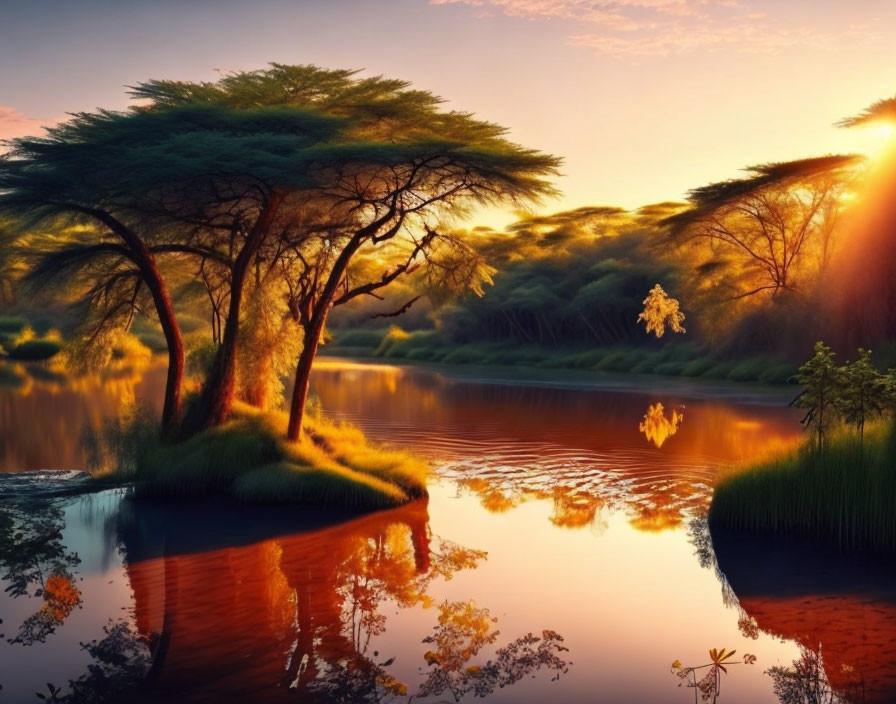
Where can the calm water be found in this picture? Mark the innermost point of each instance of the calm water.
(557, 512)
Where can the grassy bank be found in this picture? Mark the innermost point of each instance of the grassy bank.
(845, 495)
(673, 359)
(247, 459)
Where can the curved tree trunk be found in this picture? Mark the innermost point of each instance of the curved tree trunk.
(174, 382)
(303, 378)
(143, 257)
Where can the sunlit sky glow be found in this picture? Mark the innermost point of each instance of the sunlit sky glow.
(643, 98)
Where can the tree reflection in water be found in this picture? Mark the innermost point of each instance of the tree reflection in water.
(304, 611)
(656, 427)
(840, 610)
(35, 564)
(121, 661)
(805, 682)
(463, 630)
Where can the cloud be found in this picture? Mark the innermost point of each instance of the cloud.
(16, 124)
(675, 39)
(587, 10)
(642, 28)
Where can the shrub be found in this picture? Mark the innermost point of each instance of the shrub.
(750, 369)
(778, 374)
(467, 354)
(718, 371)
(35, 350)
(670, 368)
(698, 367)
(359, 337)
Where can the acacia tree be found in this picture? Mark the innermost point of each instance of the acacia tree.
(48, 180)
(150, 181)
(764, 229)
(381, 190)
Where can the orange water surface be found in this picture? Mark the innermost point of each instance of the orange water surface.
(566, 507)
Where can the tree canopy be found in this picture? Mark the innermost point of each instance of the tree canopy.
(313, 186)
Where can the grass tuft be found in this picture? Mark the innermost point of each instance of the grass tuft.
(845, 495)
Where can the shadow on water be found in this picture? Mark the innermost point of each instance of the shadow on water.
(840, 609)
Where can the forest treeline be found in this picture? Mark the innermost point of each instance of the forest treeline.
(763, 265)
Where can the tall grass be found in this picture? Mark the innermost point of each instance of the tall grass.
(247, 459)
(845, 494)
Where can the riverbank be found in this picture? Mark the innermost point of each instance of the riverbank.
(333, 466)
(522, 375)
(844, 495)
(672, 359)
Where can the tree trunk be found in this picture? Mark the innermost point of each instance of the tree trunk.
(216, 401)
(303, 378)
(155, 282)
(174, 339)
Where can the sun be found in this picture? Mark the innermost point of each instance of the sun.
(885, 130)
(879, 139)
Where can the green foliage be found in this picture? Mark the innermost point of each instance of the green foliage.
(854, 393)
(845, 495)
(822, 383)
(672, 360)
(864, 393)
(720, 370)
(779, 373)
(698, 367)
(12, 325)
(35, 350)
(749, 369)
(359, 337)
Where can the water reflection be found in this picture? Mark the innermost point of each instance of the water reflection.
(581, 449)
(584, 523)
(805, 681)
(656, 427)
(463, 630)
(302, 611)
(120, 667)
(840, 609)
(35, 564)
(69, 407)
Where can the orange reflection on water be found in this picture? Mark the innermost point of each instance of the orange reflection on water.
(581, 448)
(656, 427)
(855, 637)
(263, 620)
(45, 419)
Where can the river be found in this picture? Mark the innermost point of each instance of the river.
(561, 556)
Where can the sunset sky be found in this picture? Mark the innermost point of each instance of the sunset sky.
(644, 99)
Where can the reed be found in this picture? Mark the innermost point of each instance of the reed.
(845, 494)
